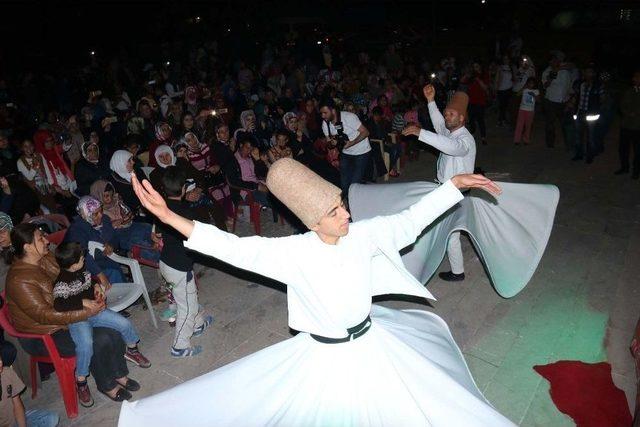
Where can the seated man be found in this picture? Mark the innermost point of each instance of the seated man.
(244, 174)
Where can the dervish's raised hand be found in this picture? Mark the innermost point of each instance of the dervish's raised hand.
(411, 130)
(150, 198)
(476, 181)
(429, 92)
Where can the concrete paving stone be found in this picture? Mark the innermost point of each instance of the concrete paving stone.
(481, 370)
(542, 412)
(617, 343)
(628, 384)
(511, 403)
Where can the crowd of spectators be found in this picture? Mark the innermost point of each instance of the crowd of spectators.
(224, 122)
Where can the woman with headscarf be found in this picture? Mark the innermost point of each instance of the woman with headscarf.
(299, 142)
(164, 135)
(121, 166)
(90, 168)
(91, 225)
(248, 128)
(130, 233)
(31, 166)
(58, 173)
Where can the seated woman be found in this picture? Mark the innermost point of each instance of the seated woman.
(244, 174)
(58, 173)
(129, 232)
(31, 166)
(194, 195)
(90, 168)
(92, 226)
(121, 166)
(202, 158)
(29, 288)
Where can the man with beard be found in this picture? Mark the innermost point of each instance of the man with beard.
(457, 156)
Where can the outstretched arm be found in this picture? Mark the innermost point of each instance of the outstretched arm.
(154, 203)
(445, 144)
(405, 227)
(258, 254)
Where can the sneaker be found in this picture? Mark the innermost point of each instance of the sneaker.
(451, 277)
(200, 329)
(84, 394)
(186, 352)
(394, 173)
(133, 355)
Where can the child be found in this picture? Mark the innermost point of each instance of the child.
(12, 411)
(176, 266)
(526, 112)
(72, 288)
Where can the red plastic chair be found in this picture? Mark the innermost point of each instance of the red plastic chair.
(65, 366)
(57, 237)
(136, 253)
(254, 213)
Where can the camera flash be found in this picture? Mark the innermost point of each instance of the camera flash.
(93, 52)
(433, 75)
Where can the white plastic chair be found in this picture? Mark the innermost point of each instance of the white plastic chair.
(123, 295)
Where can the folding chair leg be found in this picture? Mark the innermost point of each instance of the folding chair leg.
(67, 380)
(145, 294)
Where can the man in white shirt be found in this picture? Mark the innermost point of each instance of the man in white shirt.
(557, 85)
(342, 127)
(457, 156)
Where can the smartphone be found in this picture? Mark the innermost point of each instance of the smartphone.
(219, 111)
(151, 82)
(95, 93)
(10, 105)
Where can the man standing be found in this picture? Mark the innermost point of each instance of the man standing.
(557, 84)
(630, 128)
(457, 156)
(342, 127)
(587, 114)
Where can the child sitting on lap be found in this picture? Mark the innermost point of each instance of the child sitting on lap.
(72, 289)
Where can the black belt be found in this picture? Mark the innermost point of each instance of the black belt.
(355, 332)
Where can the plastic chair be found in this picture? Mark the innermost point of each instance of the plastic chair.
(65, 366)
(57, 237)
(254, 212)
(385, 157)
(138, 286)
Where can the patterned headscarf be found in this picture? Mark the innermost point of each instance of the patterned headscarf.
(288, 116)
(158, 130)
(87, 206)
(85, 148)
(5, 222)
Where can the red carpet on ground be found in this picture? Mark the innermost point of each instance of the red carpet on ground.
(586, 393)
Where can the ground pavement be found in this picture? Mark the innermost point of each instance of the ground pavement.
(582, 303)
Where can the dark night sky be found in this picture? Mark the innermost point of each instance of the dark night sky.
(42, 30)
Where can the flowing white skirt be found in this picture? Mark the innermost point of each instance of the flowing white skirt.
(405, 371)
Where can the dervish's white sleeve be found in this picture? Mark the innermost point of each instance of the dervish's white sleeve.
(270, 257)
(405, 227)
(436, 119)
(453, 147)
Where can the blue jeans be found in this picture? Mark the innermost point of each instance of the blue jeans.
(109, 267)
(352, 169)
(82, 335)
(41, 418)
(138, 233)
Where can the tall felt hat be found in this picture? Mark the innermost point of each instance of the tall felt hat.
(459, 102)
(308, 195)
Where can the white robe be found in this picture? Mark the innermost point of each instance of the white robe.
(406, 370)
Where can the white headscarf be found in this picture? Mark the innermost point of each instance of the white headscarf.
(164, 149)
(118, 164)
